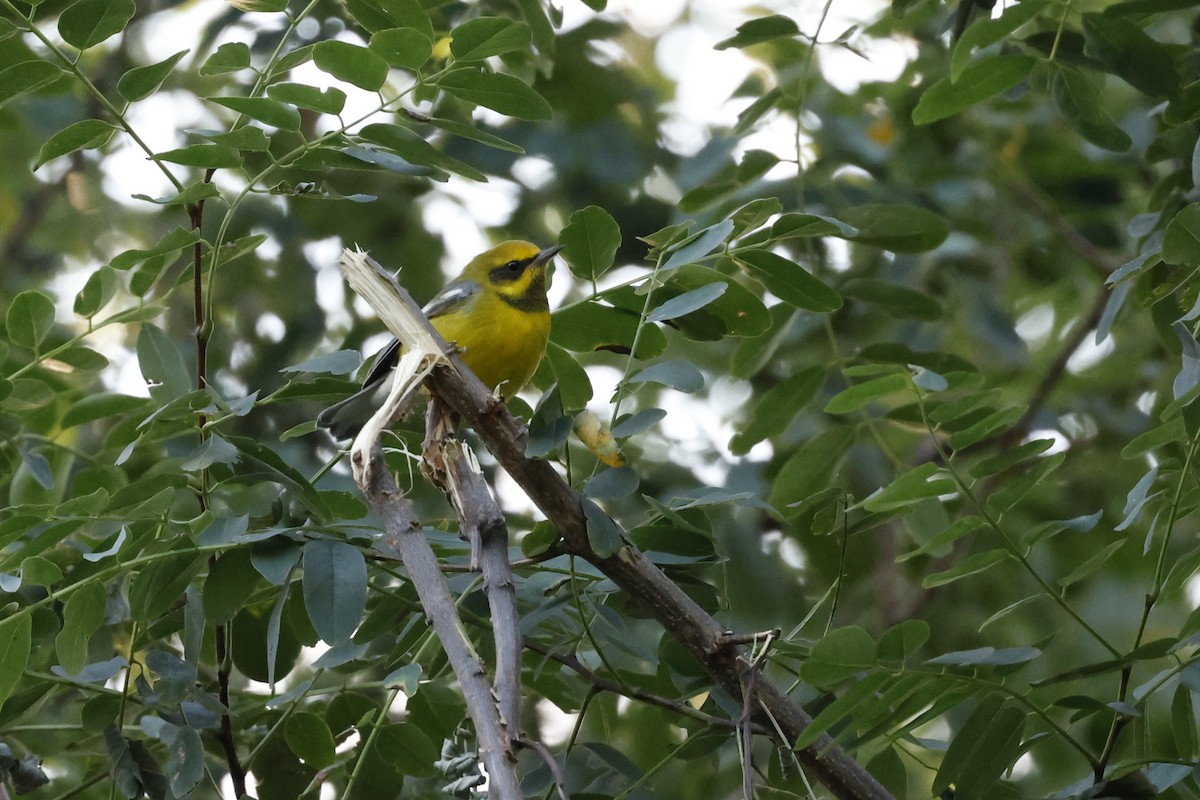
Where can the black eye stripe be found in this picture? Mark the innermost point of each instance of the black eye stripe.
(512, 270)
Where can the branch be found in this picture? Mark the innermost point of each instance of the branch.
(682, 617)
(404, 539)
(483, 525)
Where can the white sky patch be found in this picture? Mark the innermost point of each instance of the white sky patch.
(1036, 324)
(1192, 588)
(648, 19)
(534, 172)
(270, 327)
(1061, 442)
(1145, 402)
(159, 121)
(1089, 354)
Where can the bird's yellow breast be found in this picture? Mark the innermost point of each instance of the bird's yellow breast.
(499, 345)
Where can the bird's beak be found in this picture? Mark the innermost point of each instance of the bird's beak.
(546, 255)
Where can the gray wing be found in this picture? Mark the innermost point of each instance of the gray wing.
(453, 296)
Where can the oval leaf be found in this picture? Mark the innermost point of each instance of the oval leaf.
(335, 588)
(501, 93)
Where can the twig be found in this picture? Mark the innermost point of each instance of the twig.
(634, 693)
(483, 525)
(403, 539)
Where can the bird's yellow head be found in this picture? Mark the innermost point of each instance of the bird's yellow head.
(515, 271)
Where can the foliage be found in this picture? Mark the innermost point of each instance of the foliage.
(915, 388)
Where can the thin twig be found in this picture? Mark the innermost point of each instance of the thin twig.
(480, 520)
(634, 693)
(403, 539)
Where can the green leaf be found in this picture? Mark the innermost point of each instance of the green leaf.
(777, 407)
(895, 300)
(789, 281)
(988, 657)
(636, 423)
(919, 483)
(984, 749)
(738, 311)
(1083, 107)
(29, 318)
(15, 643)
(677, 374)
(229, 57)
(86, 134)
(339, 362)
(842, 653)
(100, 405)
(324, 101)
(465, 131)
(406, 747)
(940, 543)
(376, 15)
(793, 225)
(162, 364)
(985, 428)
(263, 109)
(687, 302)
(485, 37)
(209, 156)
(1008, 496)
(410, 146)
(590, 242)
(90, 22)
(100, 287)
(977, 82)
(589, 326)
(231, 581)
(612, 484)
(605, 536)
(987, 32)
(1131, 53)
(256, 457)
(810, 468)
(695, 247)
(840, 708)
(351, 63)
(1093, 563)
(972, 565)
(504, 94)
(185, 761)
(174, 241)
(402, 47)
(159, 584)
(863, 394)
(899, 228)
(335, 588)
(141, 82)
(1010, 458)
(760, 30)
(573, 384)
(310, 739)
(902, 640)
(25, 77)
(39, 571)
(82, 616)
(1181, 242)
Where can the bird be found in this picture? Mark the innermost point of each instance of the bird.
(495, 313)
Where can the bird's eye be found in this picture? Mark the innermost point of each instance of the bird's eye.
(513, 267)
